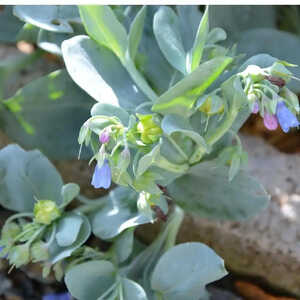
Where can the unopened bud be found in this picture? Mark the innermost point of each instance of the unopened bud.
(46, 211)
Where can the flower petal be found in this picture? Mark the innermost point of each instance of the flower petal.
(285, 117)
(102, 176)
(270, 121)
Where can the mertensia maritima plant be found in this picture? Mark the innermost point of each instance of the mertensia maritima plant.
(167, 99)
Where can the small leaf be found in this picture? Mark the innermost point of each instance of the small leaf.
(234, 166)
(136, 31)
(58, 253)
(124, 244)
(197, 50)
(89, 280)
(167, 34)
(172, 123)
(55, 18)
(147, 160)
(132, 290)
(26, 175)
(102, 25)
(118, 214)
(69, 191)
(109, 110)
(68, 229)
(184, 271)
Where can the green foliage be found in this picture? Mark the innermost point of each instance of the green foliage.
(206, 191)
(177, 281)
(54, 18)
(170, 101)
(26, 176)
(9, 25)
(119, 212)
(35, 116)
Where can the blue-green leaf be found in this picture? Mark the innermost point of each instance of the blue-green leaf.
(98, 277)
(189, 18)
(279, 44)
(68, 229)
(58, 252)
(49, 17)
(136, 31)
(184, 271)
(102, 25)
(99, 72)
(9, 25)
(109, 110)
(206, 191)
(26, 176)
(174, 123)
(166, 30)
(132, 290)
(47, 114)
(119, 213)
(197, 50)
(69, 191)
(123, 245)
(181, 97)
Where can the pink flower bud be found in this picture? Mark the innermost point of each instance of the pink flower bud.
(104, 137)
(270, 121)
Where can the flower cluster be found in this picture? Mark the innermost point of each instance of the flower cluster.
(268, 95)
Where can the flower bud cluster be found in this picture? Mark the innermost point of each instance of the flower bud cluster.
(268, 95)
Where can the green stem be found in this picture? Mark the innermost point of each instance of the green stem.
(20, 215)
(174, 225)
(159, 296)
(139, 80)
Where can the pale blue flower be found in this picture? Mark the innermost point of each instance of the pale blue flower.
(285, 117)
(102, 176)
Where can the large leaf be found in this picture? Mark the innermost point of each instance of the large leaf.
(60, 247)
(88, 281)
(9, 25)
(99, 72)
(102, 25)
(198, 47)
(206, 191)
(189, 18)
(167, 33)
(26, 176)
(158, 72)
(279, 44)
(235, 19)
(119, 213)
(136, 31)
(47, 114)
(184, 271)
(49, 17)
(180, 98)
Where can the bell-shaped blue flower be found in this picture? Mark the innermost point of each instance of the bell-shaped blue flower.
(102, 176)
(285, 117)
(62, 296)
